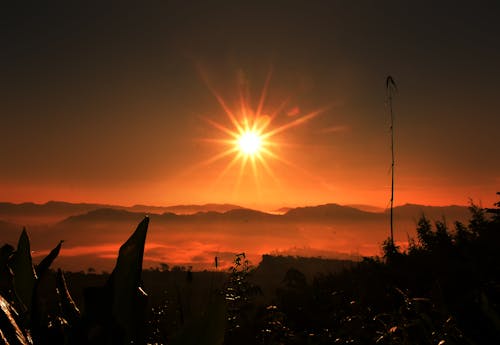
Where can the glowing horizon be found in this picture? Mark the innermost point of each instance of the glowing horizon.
(123, 123)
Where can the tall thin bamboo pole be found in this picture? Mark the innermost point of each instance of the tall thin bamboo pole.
(390, 86)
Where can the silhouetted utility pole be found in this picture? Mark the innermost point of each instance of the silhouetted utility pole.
(390, 87)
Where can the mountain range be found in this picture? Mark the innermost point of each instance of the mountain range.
(63, 212)
(193, 234)
(55, 211)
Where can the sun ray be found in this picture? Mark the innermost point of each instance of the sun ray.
(218, 156)
(274, 156)
(263, 95)
(267, 168)
(214, 140)
(229, 113)
(240, 174)
(255, 174)
(221, 127)
(294, 166)
(243, 103)
(274, 114)
(228, 167)
(275, 143)
(220, 100)
(294, 123)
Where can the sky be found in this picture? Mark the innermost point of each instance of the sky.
(114, 102)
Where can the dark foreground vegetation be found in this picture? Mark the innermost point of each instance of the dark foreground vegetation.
(445, 289)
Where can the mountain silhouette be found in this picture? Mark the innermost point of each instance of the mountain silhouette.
(414, 211)
(367, 208)
(56, 211)
(102, 215)
(49, 212)
(328, 213)
(331, 212)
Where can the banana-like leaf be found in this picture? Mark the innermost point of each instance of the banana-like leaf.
(69, 308)
(39, 312)
(5, 253)
(10, 332)
(208, 329)
(44, 265)
(5, 271)
(24, 274)
(125, 282)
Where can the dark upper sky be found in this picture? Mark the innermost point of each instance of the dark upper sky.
(103, 101)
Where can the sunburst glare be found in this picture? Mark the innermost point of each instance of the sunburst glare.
(251, 136)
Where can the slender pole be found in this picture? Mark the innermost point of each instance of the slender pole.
(390, 88)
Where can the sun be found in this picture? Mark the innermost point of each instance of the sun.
(251, 136)
(249, 142)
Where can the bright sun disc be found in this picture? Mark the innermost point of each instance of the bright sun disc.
(249, 142)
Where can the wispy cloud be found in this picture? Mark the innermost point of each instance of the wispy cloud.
(335, 129)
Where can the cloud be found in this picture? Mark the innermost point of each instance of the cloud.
(293, 111)
(335, 129)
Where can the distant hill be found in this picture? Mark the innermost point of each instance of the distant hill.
(310, 266)
(235, 215)
(184, 209)
(110, 215)
(367, 208)
(449, 213)
(63, 212)
(282, 210)
(321, 214)
(103, 215)
(272, 270)
(50, 212)
(330, 211)
(56, 211)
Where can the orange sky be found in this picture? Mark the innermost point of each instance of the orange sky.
(112, 111)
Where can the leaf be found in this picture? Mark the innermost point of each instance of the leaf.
(44, 265)
(125, 283)
(24, 274)
(5, 253)
(69, 308)
(10, 332)
(390, 85)
(39, 316)
(6, 275)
